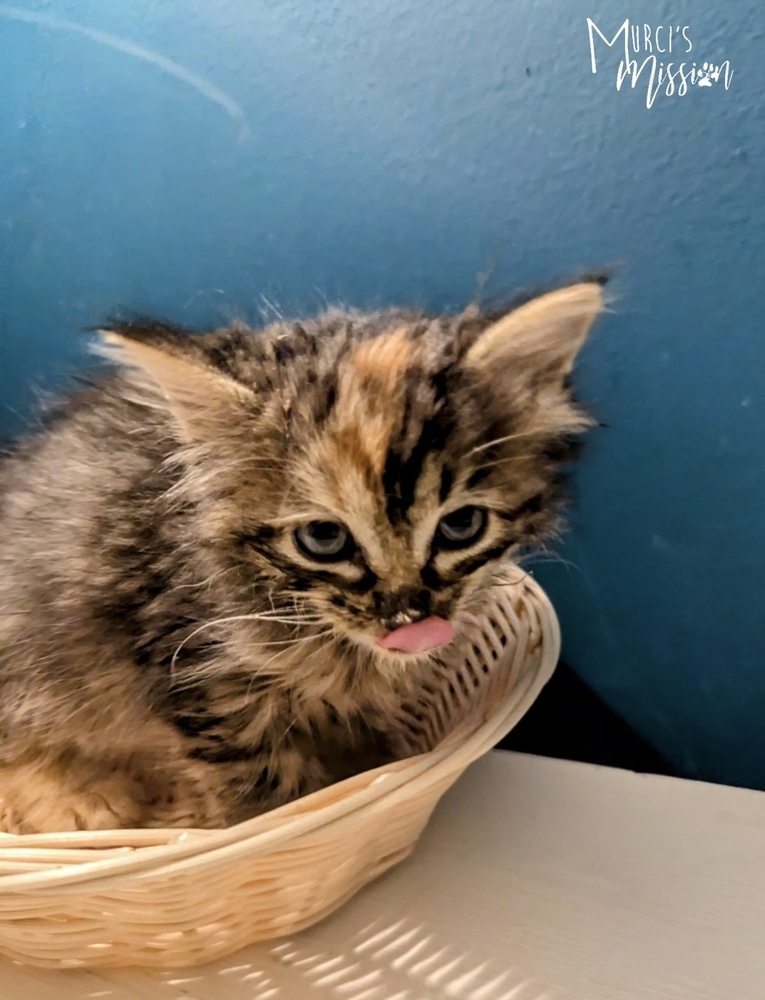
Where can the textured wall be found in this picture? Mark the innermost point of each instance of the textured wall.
(202, 160)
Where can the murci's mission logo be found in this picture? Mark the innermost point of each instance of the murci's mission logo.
(657, 58)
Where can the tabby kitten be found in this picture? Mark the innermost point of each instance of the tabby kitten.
(222, 567)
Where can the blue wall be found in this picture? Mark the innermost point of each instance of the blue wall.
(203, 160)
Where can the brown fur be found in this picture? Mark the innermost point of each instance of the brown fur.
(168, 654)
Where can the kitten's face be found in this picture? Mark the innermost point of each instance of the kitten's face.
(396, 505)
(376, 470)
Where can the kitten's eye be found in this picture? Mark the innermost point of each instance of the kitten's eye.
(325, 541)
(462, 527)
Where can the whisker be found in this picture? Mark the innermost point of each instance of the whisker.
(552, 557)
(198, 673)
(500, 461)
(203, 583)
(287, 610)
(235, 618)
(500, 440)
(286, 619)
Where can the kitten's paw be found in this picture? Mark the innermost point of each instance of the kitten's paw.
(36, 799)
(115, 803)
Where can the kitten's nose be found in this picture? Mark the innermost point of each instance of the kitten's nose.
(407, 617)
(405, 608)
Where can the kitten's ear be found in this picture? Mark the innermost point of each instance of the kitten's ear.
(171, 373)
(546, 333)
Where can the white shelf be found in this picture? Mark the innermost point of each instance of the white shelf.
(538, 879)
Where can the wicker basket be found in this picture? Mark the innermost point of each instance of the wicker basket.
(170, 898)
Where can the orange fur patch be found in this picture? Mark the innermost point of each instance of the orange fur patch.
(380, 363)
(368, 403)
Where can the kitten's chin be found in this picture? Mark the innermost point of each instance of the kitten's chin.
(396, 658)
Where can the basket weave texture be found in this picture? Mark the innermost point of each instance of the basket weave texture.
(175, 898)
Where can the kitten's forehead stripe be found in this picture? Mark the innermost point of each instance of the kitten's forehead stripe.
(447, 481)
(361, 406)
(405, 462)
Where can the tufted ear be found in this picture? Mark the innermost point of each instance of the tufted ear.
(169, 370)
(545, 334)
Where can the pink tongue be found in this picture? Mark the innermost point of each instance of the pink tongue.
(419, 636)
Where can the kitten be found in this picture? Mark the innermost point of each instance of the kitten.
(223, 566)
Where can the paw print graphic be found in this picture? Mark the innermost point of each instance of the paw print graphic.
(707, 74)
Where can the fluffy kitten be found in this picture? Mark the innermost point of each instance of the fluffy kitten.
(222, 566)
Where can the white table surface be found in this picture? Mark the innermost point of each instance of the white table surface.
(537, 879)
